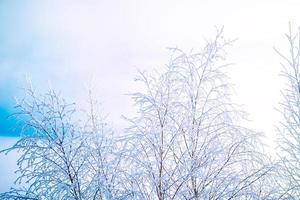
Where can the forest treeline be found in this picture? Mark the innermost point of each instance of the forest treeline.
(186, 140)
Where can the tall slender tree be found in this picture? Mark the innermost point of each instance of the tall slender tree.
(289, 130)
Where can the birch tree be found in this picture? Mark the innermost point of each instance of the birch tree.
(188, 140)
(62, 157)
(105, 157)
(289, 131)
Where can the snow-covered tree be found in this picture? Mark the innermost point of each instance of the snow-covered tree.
(105, 157)
(289, 130)
(61, 157)
(188, 140)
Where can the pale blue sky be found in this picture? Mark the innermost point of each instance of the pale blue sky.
(69, 42)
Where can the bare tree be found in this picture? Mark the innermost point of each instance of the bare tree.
(60, 157)
(289, 131)
(188, 142)
(155, 167)
(105, 157)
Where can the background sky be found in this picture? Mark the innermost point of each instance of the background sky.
(70, 44)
